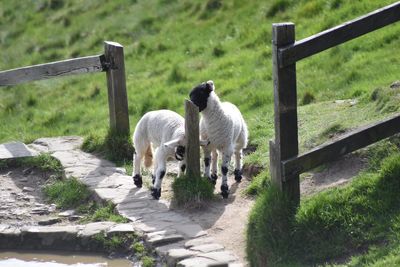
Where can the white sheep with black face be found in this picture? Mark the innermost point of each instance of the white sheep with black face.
(165, 131)
(223, 126)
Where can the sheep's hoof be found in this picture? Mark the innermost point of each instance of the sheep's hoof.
(156, 193)
(137, 180)
(224, 191)
(238, 175)
(213, 178)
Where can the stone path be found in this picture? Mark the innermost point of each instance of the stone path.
(66, 237)
(176, 237)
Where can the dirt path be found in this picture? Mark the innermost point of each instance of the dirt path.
(225, 219)
(21, 198)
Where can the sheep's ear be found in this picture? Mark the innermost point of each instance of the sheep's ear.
(172, 144)
(204, 142)
(210, 85)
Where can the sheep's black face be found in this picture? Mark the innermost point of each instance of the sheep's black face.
(179, 152)
(199, 95)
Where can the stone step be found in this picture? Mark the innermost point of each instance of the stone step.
(15, 150)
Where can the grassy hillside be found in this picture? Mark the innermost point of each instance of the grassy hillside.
(171, 46)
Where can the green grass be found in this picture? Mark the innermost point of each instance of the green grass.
(43, 162)
(360, 218)
(68, 193)
(97, 213)
(192, 192)
(171, 46)
(115, 147)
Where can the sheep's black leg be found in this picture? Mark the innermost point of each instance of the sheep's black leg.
(156, 188)
(238, 166)
(137, 180)
(226, 157)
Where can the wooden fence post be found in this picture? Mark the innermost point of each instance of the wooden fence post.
(117, 97)
(192, 139)
(285, 145)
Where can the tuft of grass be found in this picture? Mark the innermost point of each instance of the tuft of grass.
(259, 184)
(115, 242)
(138, 248)
(44, 162)
(104, 213)
(307, 98)
(331, 224)
(192, 192)
(68, 193)
(148, 261)
(333, 130)
(277, 6)
(114, 147)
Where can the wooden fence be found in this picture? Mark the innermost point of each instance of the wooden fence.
(285, 163)
(111, 62)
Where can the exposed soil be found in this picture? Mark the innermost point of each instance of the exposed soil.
(336, 173)
(21, 198)
(226, 219)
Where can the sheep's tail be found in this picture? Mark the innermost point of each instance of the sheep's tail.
(148, 157)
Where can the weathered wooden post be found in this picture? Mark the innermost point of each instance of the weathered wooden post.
(117, 97)
(192, 139)
(285, 145)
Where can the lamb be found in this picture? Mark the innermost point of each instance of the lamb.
(165, 130)
(223, 126)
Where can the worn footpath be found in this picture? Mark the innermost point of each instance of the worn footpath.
(175, 236)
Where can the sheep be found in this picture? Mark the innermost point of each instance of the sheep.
(165, 131)
(223, 126)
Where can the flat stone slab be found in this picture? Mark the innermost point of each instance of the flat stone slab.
(220, 256)
(96, 228)
(199, 241)
(196, 262)
(178, 254)
(174, 236)
(15, 150)
(208, 248)
(160, 240)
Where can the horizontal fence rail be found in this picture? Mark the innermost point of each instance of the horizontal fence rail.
(339, 34)
(343, 145)
(111, 62)
(53, 70)
(285, 163)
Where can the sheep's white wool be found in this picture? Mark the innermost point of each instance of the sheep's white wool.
(165, 131)
(222, 125)
(158, 127)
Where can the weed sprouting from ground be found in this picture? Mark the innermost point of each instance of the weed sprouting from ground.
(68, 193)
(192, 192)
(104, 213)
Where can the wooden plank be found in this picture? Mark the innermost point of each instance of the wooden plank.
(285, 105)
(339, 34)
(116, 83)
(345, 144)
(192, 139)
(51, 70)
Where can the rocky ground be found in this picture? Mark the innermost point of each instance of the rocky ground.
(22, 201)
(224, 220)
